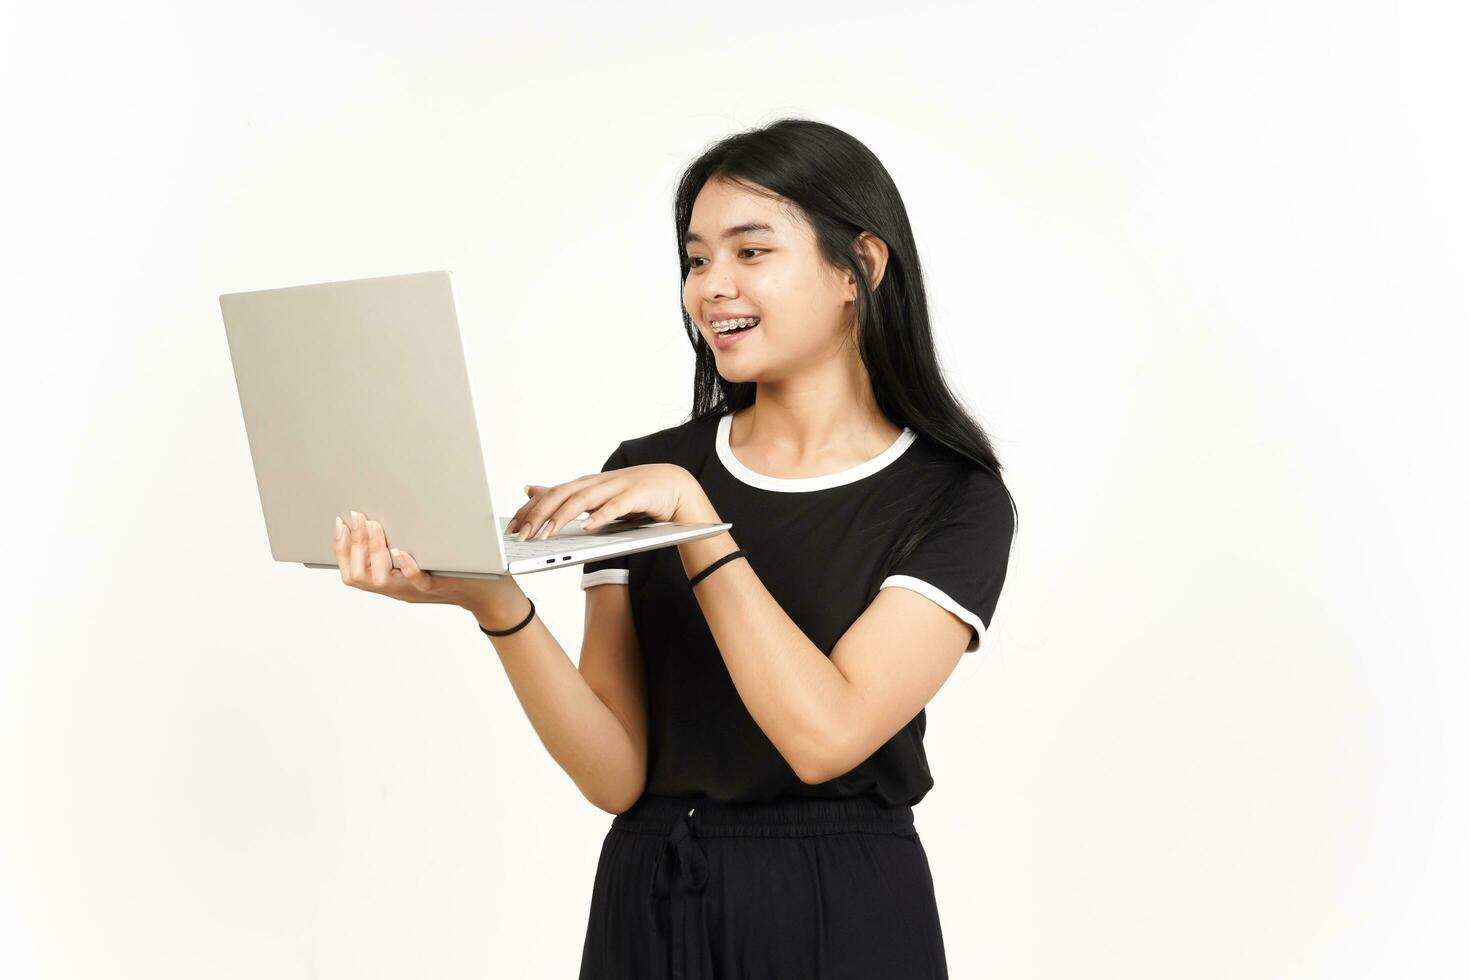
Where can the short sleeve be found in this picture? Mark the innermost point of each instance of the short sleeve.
(961, 565)
(608, 570)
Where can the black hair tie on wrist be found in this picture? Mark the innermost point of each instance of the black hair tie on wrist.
(517, 626)
(737, 553)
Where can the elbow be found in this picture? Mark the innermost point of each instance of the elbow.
(827, 746)
(615, 807)
(819, 765)
(619, 803)
(812, 777)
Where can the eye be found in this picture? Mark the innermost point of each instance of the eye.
(697, 258)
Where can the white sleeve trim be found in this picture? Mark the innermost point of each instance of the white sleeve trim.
(604, 576)
(942, 600)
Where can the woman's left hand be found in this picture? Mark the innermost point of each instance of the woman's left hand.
(660, 491)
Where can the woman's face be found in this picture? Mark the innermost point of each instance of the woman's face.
(775, 273)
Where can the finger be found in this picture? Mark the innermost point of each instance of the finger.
(518, 519)
(543, 509)
(357, 558)
(533, 490)
(540, 514)
(342, 546)
(416, 576)
(585, 499)
(540, 508)
(619, 505)
(380, 566)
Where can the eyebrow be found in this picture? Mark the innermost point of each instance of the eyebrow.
(733, 230)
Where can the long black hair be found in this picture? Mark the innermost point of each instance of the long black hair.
(842, 189)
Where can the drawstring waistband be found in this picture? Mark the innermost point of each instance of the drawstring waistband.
(685, 878)
(682, 868)
(782, 818)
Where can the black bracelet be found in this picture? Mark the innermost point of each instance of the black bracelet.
(517, 626)
(737, 553)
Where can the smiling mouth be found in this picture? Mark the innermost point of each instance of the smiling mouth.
(724, 338)
(735, 331)
(722, 328)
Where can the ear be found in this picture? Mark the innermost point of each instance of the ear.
(872, 252)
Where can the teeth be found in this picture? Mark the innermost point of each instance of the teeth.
(725, 326)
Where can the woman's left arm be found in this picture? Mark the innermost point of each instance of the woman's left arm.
(825, 715)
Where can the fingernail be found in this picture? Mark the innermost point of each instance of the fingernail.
(340, 527)
(356, 519)
(546, 533)
(526, 489)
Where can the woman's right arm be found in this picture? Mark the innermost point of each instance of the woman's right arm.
(591, 717)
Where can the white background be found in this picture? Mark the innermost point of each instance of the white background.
(1199, 269)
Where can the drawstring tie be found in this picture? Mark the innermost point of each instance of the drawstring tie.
(685, 875)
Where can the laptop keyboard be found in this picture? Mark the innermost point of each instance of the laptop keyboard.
(516, 548)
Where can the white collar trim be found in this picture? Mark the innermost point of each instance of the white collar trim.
(744, 474)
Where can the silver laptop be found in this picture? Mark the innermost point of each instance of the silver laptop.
(356, 397)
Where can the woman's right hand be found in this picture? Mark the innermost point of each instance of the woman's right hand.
(366, 563)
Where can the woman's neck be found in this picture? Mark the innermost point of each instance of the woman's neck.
(809, 434)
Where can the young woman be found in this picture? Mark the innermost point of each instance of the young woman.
(751, 705)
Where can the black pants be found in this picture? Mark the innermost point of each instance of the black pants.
(794, 890)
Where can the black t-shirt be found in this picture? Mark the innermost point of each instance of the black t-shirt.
(818, 545)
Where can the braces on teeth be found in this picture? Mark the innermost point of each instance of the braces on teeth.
(725, 326)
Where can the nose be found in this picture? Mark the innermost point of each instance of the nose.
(717, 282)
